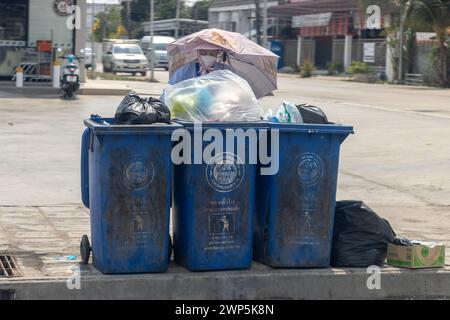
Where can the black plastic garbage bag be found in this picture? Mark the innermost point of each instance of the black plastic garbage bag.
(402, 241)
(360, 236)
(136, 110)
(312, 114)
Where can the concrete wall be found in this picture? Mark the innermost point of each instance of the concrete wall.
(45, 24)
(229, 20)
(237, 17)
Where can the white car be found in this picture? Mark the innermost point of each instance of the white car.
(88, 58)
(125, 58)
(160, 44)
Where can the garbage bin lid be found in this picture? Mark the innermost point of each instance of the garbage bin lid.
(313, 128)
(225, 124)
(106, 126)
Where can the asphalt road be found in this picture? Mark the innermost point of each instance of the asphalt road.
(398, 161)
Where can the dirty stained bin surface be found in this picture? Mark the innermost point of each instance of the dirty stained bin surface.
(126, 183)
(214, 207)
(295, 208)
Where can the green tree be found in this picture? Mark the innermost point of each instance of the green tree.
(107, 23)
(199, 10)
(140, 12)
(166, 9)
(435, 13)
(424, 15)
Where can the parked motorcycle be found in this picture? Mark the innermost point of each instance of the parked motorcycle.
(70, 76)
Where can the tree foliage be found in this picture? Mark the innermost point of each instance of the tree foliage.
(107, 23)
(140, 12)
(199, 10)
(435, 13)
(423, 15)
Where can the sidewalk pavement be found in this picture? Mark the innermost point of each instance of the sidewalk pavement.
(90, 88)
(121, 88)
(102, 87)
(41, 239)
(396, 162)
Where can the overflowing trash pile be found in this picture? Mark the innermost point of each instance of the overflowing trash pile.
(219, 224)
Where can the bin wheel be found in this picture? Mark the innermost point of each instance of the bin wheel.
(85, 249)
(170, 247)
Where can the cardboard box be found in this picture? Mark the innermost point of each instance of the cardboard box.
(424, 255)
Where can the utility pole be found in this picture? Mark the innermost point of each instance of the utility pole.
(129, 18)
(94, 63)
(259, 39)
(265, 44)
(152, 62)
(177, 19)
(400, 55)
(196, 18)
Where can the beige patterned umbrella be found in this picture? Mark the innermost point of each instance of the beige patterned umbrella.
(247, 59)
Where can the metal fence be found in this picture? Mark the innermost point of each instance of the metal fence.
(423, 62)
(308, 50)
(290, 51)
(358, 51)
(338, 51)
(380, 52)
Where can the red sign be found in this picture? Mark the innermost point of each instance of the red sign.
(44, 45)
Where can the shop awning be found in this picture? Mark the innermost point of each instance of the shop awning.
(311, 20)
(339, 24)
(305, 7)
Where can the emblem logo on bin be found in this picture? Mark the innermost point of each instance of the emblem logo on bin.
(225, 172)
(138, 174)
(310, 169)
(221, 224)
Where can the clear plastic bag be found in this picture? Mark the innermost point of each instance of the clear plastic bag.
(286, 113)
(218, 96)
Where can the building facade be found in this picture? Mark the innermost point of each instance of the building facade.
(168, 27)
(335, 32)
(239, 16)
(28, 26)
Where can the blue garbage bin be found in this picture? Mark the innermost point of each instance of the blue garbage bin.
(213, 206)
(126, 183)
(277, 47)
(295, 208)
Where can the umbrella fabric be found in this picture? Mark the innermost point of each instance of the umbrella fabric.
(247, 59)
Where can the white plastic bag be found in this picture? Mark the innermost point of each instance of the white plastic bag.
(218, 96)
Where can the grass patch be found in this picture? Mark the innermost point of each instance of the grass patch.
(110, 76)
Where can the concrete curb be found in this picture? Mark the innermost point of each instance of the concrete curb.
(47, 91)
(103, 92)
(260, 282)
(30, 91)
